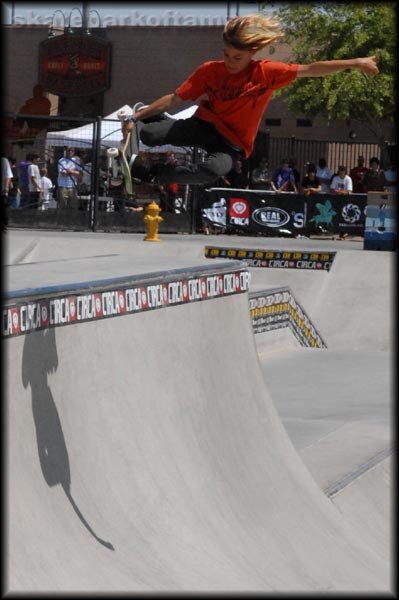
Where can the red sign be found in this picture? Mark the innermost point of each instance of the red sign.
(75, 65)
(239, 208)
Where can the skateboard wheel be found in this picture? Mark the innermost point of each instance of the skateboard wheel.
(112, 152)
(122, 115)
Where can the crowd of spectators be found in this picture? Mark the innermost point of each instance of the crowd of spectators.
(26, 184)
(316, 179)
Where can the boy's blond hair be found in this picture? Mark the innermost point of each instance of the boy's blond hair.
(252, 32)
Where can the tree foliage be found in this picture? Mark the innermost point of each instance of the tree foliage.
(328, 31)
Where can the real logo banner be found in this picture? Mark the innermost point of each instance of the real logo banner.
(254, 210)
(282, 214)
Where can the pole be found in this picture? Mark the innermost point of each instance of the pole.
(85, 16)
(194, 196)
(95, 170)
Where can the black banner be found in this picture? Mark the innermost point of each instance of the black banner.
(255, 211)
(336, 214)
(279, 214)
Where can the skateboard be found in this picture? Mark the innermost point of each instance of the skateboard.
(122, 158)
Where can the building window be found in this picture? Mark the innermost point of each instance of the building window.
(304, 123)
(273, 122)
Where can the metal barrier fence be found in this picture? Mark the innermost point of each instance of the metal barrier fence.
(99, 206)
(305, 150)
(94, 202)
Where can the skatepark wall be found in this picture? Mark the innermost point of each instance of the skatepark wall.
(144, 452)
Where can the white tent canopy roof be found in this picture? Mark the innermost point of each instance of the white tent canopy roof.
(82, 137)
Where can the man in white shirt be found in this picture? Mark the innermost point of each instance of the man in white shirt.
(6, 176)
(69, 174)
(341, 183)
(324, 175)
(34, 182)
(6, 179)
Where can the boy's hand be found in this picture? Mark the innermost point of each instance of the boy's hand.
(368, 65)
(127, 126)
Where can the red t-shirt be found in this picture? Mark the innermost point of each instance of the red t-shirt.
(357, 174)
(235, 103)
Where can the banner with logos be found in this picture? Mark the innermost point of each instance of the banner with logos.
(275, 309)
(253, 211)
(23, 317)
(279, 214)
(275, 259)
(336, 214)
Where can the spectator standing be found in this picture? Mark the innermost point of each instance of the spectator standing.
(311, 183)
(47, 200)
(261, 176)
(69, 174)
(391, 178)
(24, 179)
(238, 178)
(374, 178)
(283, 179)
(341, 183)
(325, 175)
(6, 182)
(357, 174)
(14, 194)
(34, 183)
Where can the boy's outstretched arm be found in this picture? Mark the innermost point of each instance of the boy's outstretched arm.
(367, 65)
(163, 104)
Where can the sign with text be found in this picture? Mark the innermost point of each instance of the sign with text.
(255, 211)
(24, 317)
(289, 214)
(275, 259)
(336, 214)
(75, 65)
(275, 309)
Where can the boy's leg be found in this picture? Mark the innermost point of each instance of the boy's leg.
(203, 173)
(185, 132)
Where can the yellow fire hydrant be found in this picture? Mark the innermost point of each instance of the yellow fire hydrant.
(152, 221)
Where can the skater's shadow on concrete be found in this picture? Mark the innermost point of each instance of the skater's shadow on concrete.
(40, 358)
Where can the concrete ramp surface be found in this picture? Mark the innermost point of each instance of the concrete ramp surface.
(145, 454)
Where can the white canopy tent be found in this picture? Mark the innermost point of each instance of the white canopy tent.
(82, 137)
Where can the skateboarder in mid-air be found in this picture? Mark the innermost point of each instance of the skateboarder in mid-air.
(237, 89)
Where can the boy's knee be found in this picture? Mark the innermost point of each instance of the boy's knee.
(220, 167)
(146, 136)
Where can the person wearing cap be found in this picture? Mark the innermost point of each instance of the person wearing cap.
(341, 183)
(69, 174)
